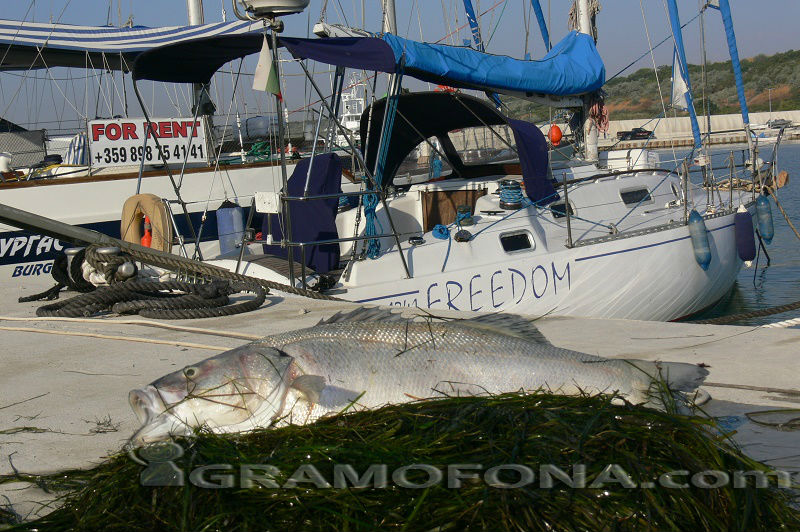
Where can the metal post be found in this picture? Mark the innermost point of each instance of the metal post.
(685, 168)
(389, 17)
(302, 266)
(313, 153)
(730, 180)
(363, 163)
(244, 234)
(566, 211)
(284, 174)
(141, 162)
(175, 186)
(194, 8)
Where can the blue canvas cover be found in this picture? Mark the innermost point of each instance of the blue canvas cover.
(312, 220)
(572, 66)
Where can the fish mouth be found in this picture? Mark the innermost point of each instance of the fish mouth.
(146, 404)
(157, 423)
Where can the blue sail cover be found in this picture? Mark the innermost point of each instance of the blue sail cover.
(39, 45)
(677, 35)
(537, 8)
(573, 66)
(727, 20)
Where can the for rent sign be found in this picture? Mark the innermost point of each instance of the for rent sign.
(125, 142)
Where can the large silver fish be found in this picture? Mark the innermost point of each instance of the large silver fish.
(370, 357)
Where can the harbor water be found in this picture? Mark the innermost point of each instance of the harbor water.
(777, 282)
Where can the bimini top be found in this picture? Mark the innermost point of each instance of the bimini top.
(36, 45)
(572, 67)
(422, 115)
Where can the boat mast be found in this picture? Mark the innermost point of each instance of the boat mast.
(194, 8)
(389, 17)
(590, 133)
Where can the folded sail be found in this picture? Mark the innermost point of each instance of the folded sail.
(572, 67)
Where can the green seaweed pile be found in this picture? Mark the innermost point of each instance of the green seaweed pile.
(624, 452)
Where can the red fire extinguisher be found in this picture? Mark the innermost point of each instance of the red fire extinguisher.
(147, 238)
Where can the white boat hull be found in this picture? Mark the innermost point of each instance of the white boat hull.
(649, 277)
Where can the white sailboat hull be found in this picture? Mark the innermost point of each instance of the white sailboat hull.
(649, 277)
(96, 203)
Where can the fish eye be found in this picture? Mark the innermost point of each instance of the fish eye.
(190, 372)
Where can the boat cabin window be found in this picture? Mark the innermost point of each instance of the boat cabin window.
(481, 145)
(559, 209)
(518, 241)
(424, 163)
(634, 196)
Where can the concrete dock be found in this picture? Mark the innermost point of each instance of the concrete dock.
(64, 398)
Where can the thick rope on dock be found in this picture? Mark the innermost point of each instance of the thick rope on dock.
(176, 263)
(782, 324)
(157, 300)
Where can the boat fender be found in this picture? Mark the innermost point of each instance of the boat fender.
(555, 135)
(441, 232)
(134, 212)
(699, 236)
(230, 226)
(745, 239)
(765, 223)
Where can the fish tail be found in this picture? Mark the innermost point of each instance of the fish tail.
(661, 383)
(678, 376)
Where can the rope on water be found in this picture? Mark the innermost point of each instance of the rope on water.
(159, 300)
(771, 192)
(722, 320)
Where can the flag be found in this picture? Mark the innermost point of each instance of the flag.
(266, 78)
(679, 85)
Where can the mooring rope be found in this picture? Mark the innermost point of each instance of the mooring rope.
(722, 320)
(782, 324)
(157, 300)
(771, 192)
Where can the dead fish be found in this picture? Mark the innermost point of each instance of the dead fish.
(368, 358)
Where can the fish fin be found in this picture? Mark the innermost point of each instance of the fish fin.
(310, 386)
(362, 315)
(510, 325)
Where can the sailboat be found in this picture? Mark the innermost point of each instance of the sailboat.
(85, 177)
(512, 232)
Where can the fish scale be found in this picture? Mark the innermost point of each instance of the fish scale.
(368, 358)
(381, 364)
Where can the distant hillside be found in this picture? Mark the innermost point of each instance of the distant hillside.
(636, 95)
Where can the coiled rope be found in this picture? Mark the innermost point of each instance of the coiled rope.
(153, 299)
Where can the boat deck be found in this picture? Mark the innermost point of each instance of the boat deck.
(64, 398)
